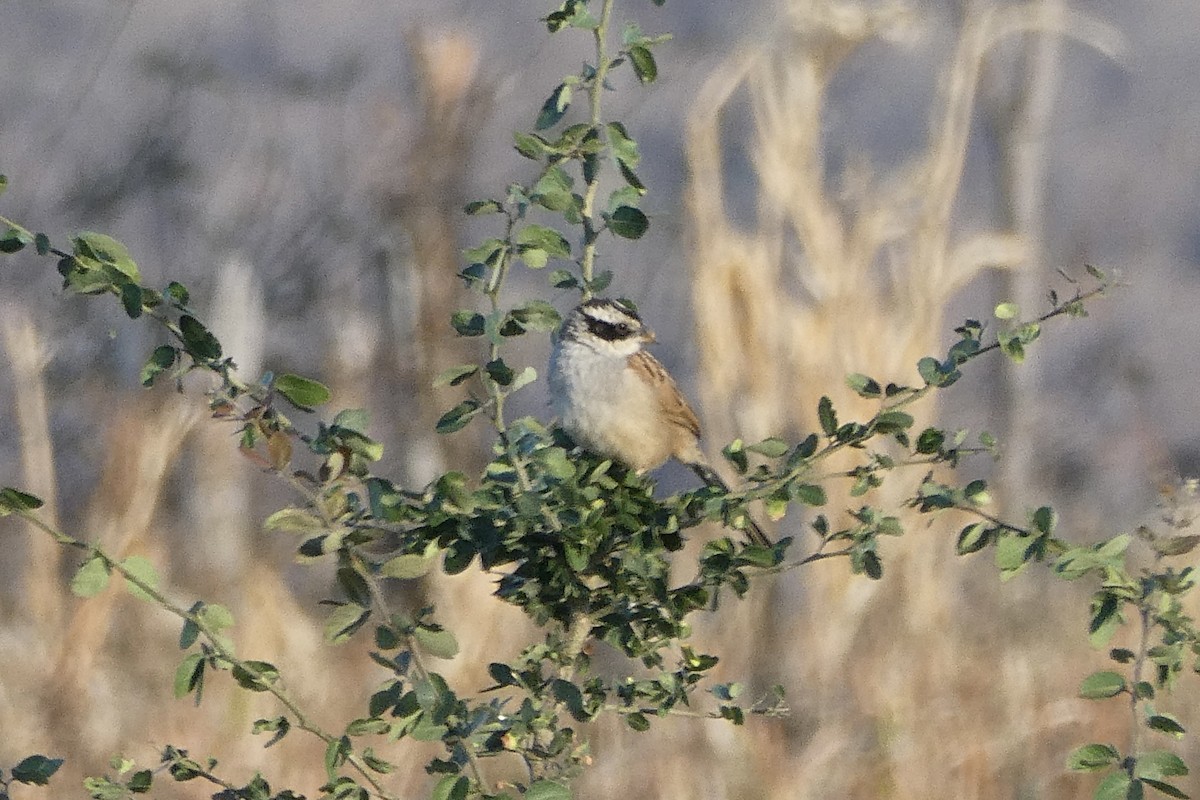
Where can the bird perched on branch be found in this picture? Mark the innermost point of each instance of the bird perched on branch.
(617, 400)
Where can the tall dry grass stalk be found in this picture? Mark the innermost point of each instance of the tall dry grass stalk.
(75, 696)
(825, 285)
(221, 509)
(28, 357)
(420, 199)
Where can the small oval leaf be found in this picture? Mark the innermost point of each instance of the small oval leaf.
(302, 392)
(1103, 684)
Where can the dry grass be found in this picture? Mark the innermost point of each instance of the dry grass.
(934, 683)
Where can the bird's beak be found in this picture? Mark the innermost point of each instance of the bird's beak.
(648, 335)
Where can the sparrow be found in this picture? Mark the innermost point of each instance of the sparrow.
(617, 400)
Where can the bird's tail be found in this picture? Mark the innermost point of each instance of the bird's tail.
(753, 531)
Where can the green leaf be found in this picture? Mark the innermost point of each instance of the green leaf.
(178, 293)
(503, 674)
(1092, 757)
(934, 373)
(1014, 349)
(628, 195)
(255, 676)
(15, 501)
(1159, 764)
(215, 617)
(455, 376)
(863, 386)
(36, 770)
(131, 299)
(569, 695)
(891, 421)
(91, 578)
(476, 207)
(562, 279)
(1007, 311)
(624, 148)
(1106, 618)
(548, 790)
(1118, 786)
(295, 520)
(161, 360)
(1166, 723)
(140, 781)
(106, 250)
(809, 493)
(534, 258)
(189, 675)
(804, 450)
(458, 417)
(524, 378)
(1012, 554)
(628, 222)
(344, 621)
(1102, 684)
(1045, 520)
(451, 787)
(976, 493)
(555, 463)
(409, 566)
(544, 238)
(13, 240)
(637, 721)
(468, 323)
(973, 538)
(1166, 788)
(304, 393)
(357, 420)
(278, 725)
(197, 341)
(826, 416)
(529, 145)
(538, 316)
(499, 372)
(872, 567)
(771, 448)
(554, 108)
(963, 350)
(643, 63)
(336, 752)
(190, 632)
(1122, 655)
(441, 644)
(140, 569)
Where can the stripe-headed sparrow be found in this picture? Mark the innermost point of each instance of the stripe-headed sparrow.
(617, 400)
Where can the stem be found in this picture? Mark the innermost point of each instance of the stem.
(587, 263)
(214, 641)
(1139, 663)
(1057, 311)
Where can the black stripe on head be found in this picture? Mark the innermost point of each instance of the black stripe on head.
(611, 320)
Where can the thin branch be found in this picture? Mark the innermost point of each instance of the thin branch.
(214, 640)
(587, 263)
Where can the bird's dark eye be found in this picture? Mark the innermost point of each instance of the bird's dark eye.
(610, 331)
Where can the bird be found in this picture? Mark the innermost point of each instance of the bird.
(617, 400)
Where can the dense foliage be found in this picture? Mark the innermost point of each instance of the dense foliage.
(578, 543)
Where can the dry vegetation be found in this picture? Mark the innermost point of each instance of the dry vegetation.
(933, 683)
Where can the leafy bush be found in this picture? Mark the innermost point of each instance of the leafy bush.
(579, 543)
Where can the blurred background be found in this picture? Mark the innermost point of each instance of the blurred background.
(834, 186)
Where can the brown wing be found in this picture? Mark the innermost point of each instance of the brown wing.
(672, 402)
